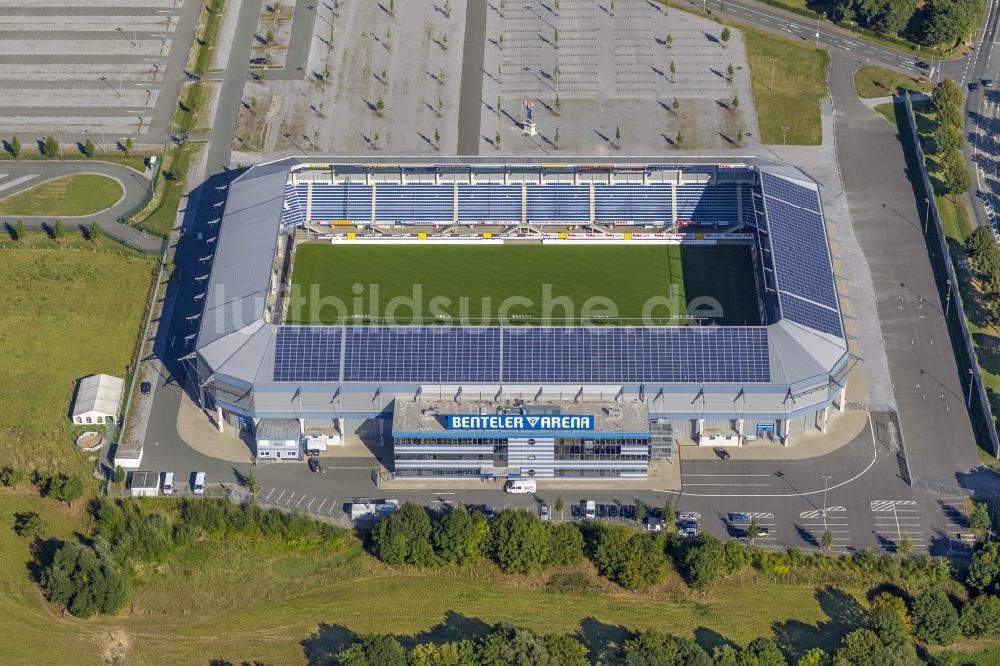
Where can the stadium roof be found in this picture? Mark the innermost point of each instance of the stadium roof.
(236, 341)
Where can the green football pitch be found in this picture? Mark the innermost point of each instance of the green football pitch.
(482, 285)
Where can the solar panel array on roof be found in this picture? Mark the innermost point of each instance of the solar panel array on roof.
(422, 354)
(803, 269)
(307, 354)
(611, 355)
(530, 355)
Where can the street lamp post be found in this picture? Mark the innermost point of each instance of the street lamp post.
(784, 134)
(771, 87)
(927, 212)
(968, 398)
(947, 301)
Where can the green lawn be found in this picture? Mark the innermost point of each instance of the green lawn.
(68, 313)
(520, 283)
(799, 83)
(160, 215)
(871, 82)
(71, 196)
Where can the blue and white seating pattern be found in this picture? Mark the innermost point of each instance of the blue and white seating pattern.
(489, 202)
(558, 202)
(418, 203)
(702, 204)
(632, 202)
(343, 201)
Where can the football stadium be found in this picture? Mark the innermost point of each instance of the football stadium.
(503, 320)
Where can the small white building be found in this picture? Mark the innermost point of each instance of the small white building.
(279, 439)
(98, 400)
(144, 484)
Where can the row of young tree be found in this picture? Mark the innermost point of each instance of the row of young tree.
(518, 542)
(19, 232)
(949, 139)
(935, 23)
(93, 576)
(882, 634)
(49, 147)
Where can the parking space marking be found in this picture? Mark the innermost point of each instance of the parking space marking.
(320, 507)
(900, 520)
(817, 513)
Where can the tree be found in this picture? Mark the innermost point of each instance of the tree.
(456, 538)
(734, 557)
(618, 134)
(905, 546)
(404, 537)
(673, 69)
(29, 524)
(555, 36)
(95, 231)
(935, 620)
(19, 229)
(653, 648)
(675, 104)
(946, 101)
(519, 542)
(511, 645)
(726, 34)
(50, 147)
(269, 37)
(555, 139)
(71, 487)
(985, 567)
(444, 41)
(58, 231)
(10, 477)
(947, 21)
(443, 654)
(955, 174)
(565, 544)
(441, 75)
(558, 103)
(447, 8)
(374, 651)
(980, 618)
(703, 561)
(392, 7)
(384, 75)
(669, 40)
(736, 102)
(730, 72)
(640, 512)
(897, 604)
(380, 105)
(375, 140)
(88, 147)
(559, 506)
(947, 138)
(862, 647)
(128, 146)
(763, 651)
(496, 140)
(15, 147)
(888, 625)
(739, 137)
(979, 517)
(632, 559)
(250, 481)
(437, 136)
(566, 651)
(84, 580)
(814, 657)
(679, 138)
(119, 475)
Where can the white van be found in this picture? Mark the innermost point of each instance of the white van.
(590, 509)
(520, 486)
(199, 483)
(168, 483)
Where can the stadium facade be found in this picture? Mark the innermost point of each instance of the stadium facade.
(503, 401)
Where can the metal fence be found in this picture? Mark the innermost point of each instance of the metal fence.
(979, 406)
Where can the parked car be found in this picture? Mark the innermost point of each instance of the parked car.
(973, 87)
(612, 511)
(145, 388)
(722, 453)
(314, 465)
(655, 512)
(652, 524)
(602, 510)
(489, 512)
(628, 511)
(761, 533)
(520, 486)
(168, 483)
(543, 512)
(688, 528)
(921, 64)
(987, 83)
(589, 509)
(198, 487)
(688, 516)
(740, 519)
(261, 60)
(575, 511)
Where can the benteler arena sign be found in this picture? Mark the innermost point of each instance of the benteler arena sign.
(520, 422)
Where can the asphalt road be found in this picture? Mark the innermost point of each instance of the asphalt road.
(19, 176)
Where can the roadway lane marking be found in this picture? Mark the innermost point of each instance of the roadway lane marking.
(17, 181)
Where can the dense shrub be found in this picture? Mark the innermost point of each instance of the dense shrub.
(404, 537)
(632, 559)
(85, 580)
(519, 541)
(935, 619)
(980, 618)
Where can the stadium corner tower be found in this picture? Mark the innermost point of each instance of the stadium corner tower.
(594, 401)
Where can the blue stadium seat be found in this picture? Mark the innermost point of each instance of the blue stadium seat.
(634, 203)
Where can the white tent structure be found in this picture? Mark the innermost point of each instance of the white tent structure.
(98, 399)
